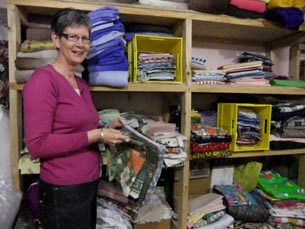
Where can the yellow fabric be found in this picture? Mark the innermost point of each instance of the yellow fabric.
(34, 46)
(286, 3)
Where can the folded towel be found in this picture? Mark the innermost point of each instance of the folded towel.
(117, 79)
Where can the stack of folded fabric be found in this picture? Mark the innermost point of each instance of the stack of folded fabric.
(147, 29)
(288, 125)
(107, 63)
(287, 13)
(209, 142)
(246, 8)
(205, 210)
(248, 128)
(33, 54)
(285, 200)
(156, 66)
(247, 73)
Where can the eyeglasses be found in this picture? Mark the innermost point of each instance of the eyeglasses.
(75, 38)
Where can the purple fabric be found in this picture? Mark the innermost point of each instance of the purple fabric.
(118, 42)
(53, 131)
(31, 199)
(104, 14)
(106, 55)
(118, 26)
(117, 79)
(290, 18)
(121, 64)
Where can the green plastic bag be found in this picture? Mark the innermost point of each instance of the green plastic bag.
(247, 175)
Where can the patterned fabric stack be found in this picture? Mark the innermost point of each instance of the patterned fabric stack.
(33, 54)
(209, 142)
(107, 63)
(288, 126)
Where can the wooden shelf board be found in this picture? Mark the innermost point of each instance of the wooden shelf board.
(267, 153)
(132, 87)
(247, 89)
(157, 87)
(205, 26)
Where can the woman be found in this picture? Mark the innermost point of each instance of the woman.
(61, 129)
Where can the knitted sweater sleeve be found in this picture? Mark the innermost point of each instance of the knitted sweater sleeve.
(39, 104)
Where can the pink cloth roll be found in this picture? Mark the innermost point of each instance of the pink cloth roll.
(250, 5)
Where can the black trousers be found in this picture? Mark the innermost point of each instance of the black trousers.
(67, 207)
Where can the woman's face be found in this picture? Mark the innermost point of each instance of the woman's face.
(73, 45)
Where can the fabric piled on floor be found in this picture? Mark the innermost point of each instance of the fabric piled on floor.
(284, 198)
(207, 211)
(107, 62)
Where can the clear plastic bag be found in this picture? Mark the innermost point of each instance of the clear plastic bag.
(10, 200)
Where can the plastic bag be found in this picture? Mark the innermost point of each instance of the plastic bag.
(247, 175)
(10, 200)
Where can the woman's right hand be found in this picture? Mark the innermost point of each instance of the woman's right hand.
(112, 136)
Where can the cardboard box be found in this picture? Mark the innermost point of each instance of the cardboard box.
(166, 224)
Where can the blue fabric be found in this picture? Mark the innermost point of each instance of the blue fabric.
(107, 37)
(94, 50)
(117, 26)
(112, 64)
(117, 51)
(117, 79)
(290, 18)
(104, 14)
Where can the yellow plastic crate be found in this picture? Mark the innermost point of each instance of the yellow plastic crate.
(154, 44)
(227, 118)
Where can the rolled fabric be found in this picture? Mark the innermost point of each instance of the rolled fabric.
(250, 5)
(22, 76)
(34, 45)
(31, 63)
(38, 54)
(116, 79)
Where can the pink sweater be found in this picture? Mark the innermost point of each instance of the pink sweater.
(56, 121)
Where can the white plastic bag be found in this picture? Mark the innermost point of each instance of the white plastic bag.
(10, 200)
(5, 157)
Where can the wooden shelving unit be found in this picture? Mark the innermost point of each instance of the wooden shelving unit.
(190, 25)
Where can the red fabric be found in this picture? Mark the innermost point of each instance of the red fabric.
(250, 5)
